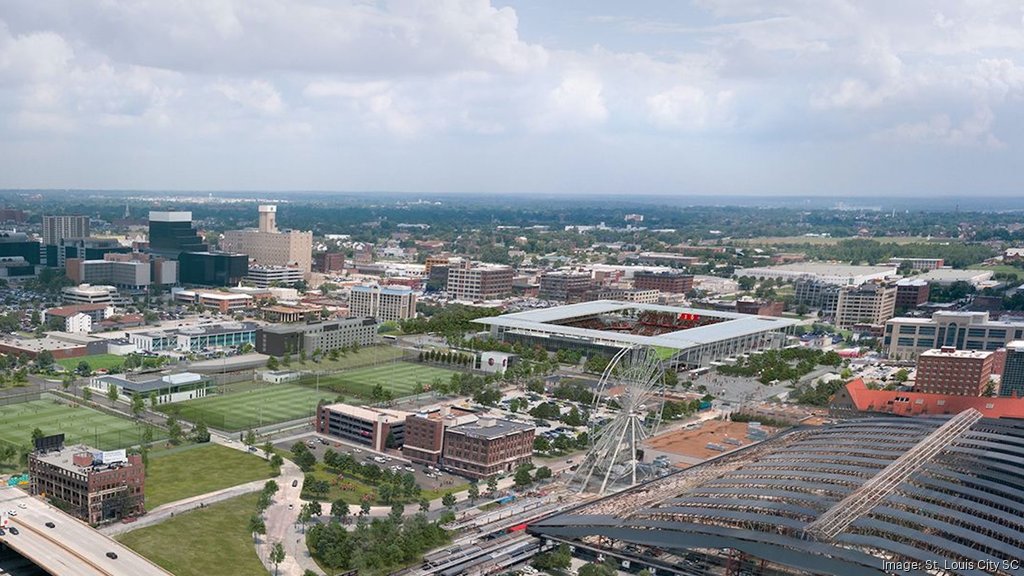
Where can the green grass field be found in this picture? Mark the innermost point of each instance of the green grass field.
(214, 540)
(78, 423)
(96, 361)
(1003, 268)
(199, 469)
(240, 407)
(368, 356)
(399, 377)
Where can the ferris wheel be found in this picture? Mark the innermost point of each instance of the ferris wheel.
(632, 390)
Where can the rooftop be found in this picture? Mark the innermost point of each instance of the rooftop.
(144, 386)
(368, 412)
(488, 428)
(954, 353)
(826, 269)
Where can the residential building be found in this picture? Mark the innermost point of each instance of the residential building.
(558, 285)
(57, 228)
(386, 304)
(672, 282)
(918, 263)
(268, 246)
(905, 338)
(856, 399)
(327, 262)
(911, 293)
(89, 294)
(165, 389)
(869, 303)
(96, 312)
(487, 447)
(78, 324)
(1012, 382)
(267, 276)
(212, 268)
(378, 428)
(281, 339)
(476, 281)
(947, 370)
(222, 302)
(91, 485)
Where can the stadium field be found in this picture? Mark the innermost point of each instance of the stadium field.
(401, 378)
(79, 424)
(250, 406)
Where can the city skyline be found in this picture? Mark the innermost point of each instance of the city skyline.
(705, 98)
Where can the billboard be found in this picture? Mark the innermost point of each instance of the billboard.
(113, 456)
(51, 442)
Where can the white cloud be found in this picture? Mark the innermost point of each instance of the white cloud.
(690, 108)
(577, 102)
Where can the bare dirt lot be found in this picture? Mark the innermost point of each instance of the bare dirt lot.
(693, 443)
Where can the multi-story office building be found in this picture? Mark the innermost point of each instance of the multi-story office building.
(268, 246)
(281, 339)
(911, 293)
(267, 276)
(171, 233)
(195, 338)
(130, 274)
(906, 338)
(386, 304)
(487, 447)
(424, 432)
(760, 307)
(89, 294)
(327, 262)
(559, 285)
(378, 428)
(16, 268)
(18, 244)
(432, 261)
(469, 281)
(222, 302)
(89, 484)
(817, 294)
(870, 303)
(671, 282)
(57, 228)
(212, 268)
(638, 295)
(950, 371)
(83, 249)
(918, 263)
(1012, 383)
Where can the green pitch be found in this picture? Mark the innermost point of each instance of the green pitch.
(80, 425)
(96, 361)
(251, 406)
(401, 378)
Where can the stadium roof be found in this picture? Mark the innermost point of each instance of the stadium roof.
(733, 325)
(960, 503)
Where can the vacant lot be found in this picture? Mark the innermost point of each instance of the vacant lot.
(214, 540)
(693, 443)
(79, 424)
(179, 474)
(401, 378)
(251, 406)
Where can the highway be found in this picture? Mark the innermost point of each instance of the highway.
(71, 547)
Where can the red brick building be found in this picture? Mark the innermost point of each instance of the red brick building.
(487, 447)
(951, 371)
(671, 282)
(856, 399)
(760, 307)
(89, 484)
(328, 262)
(424, 433)
(911, 293)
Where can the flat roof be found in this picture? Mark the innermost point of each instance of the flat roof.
(230, 363)
(951, 275)
(491, 428)
(940, 353)
(203, 330)
(152, 384)
(367, 412)
(733, 324)
(824, 269)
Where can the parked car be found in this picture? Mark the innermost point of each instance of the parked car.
(112, 555)
(14, 531)
(295, 483)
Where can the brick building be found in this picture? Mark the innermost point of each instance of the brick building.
(328, 262)
(672, 282)
(560, 285)
(94, 486)
(467, 281)
(424, 432)
(487, 447)
(951, 371)
(911, 293)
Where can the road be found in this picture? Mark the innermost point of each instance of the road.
(71, 547)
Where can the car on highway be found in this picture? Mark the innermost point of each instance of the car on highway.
(14, 531)
(50, 525)
(112, 555)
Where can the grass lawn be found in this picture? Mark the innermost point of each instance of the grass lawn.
(96, 361)
(399, 377)
(368, 356)
(78, 423)
(349, 489)
(250, 406)
(1000, 268)
(178, 474)
(214, 540)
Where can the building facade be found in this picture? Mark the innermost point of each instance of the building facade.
(950, 371)
(378, 428)
(268, 246)
(671, 282)
(559, 285)
(212, 268)
(89, 294)
(906, 338)
(281, 339)
(171, 233)
(327, 262)
(19, 244)
(870, 303)
(57, 228)
(816, 294)
(467, 281)
(91, 485)
(267, 276)
(386, 304)
(487, 447)
(1012, 383)
(129, 274)
(911, 293)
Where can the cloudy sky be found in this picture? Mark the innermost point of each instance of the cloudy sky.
(820, 97)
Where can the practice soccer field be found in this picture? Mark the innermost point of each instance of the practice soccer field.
(79, 425)
(400, 378)
(251, 406)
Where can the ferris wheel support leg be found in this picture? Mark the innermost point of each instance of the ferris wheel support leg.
(611, 463)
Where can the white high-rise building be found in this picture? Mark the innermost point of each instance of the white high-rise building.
(386, 304)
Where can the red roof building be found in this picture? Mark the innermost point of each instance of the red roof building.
(856, 399)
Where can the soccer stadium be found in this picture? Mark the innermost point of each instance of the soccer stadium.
(873, 496)
(688, 337)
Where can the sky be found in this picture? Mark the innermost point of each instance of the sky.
(722, 97)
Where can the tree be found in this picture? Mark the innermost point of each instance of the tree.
(152, 400)
(138, 405)
(543, 473)
(271, 487)
(522, 477)
(250, 438)
(83, 368)
(541, 444)
(37, 434)
(268, 448)
(147, 435)
(257, 526)
(424, 505)
(173, 429)
(595, 569)
(492, 485)
(276, 461)
(364, 507)
(448, 500)
(901, 375)
(67, 381)
(200, 433)
(112, 393)
(272, 363)
(44, 359)
(277, 555)
(474, 491)
(340, 510)
(87, 394)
